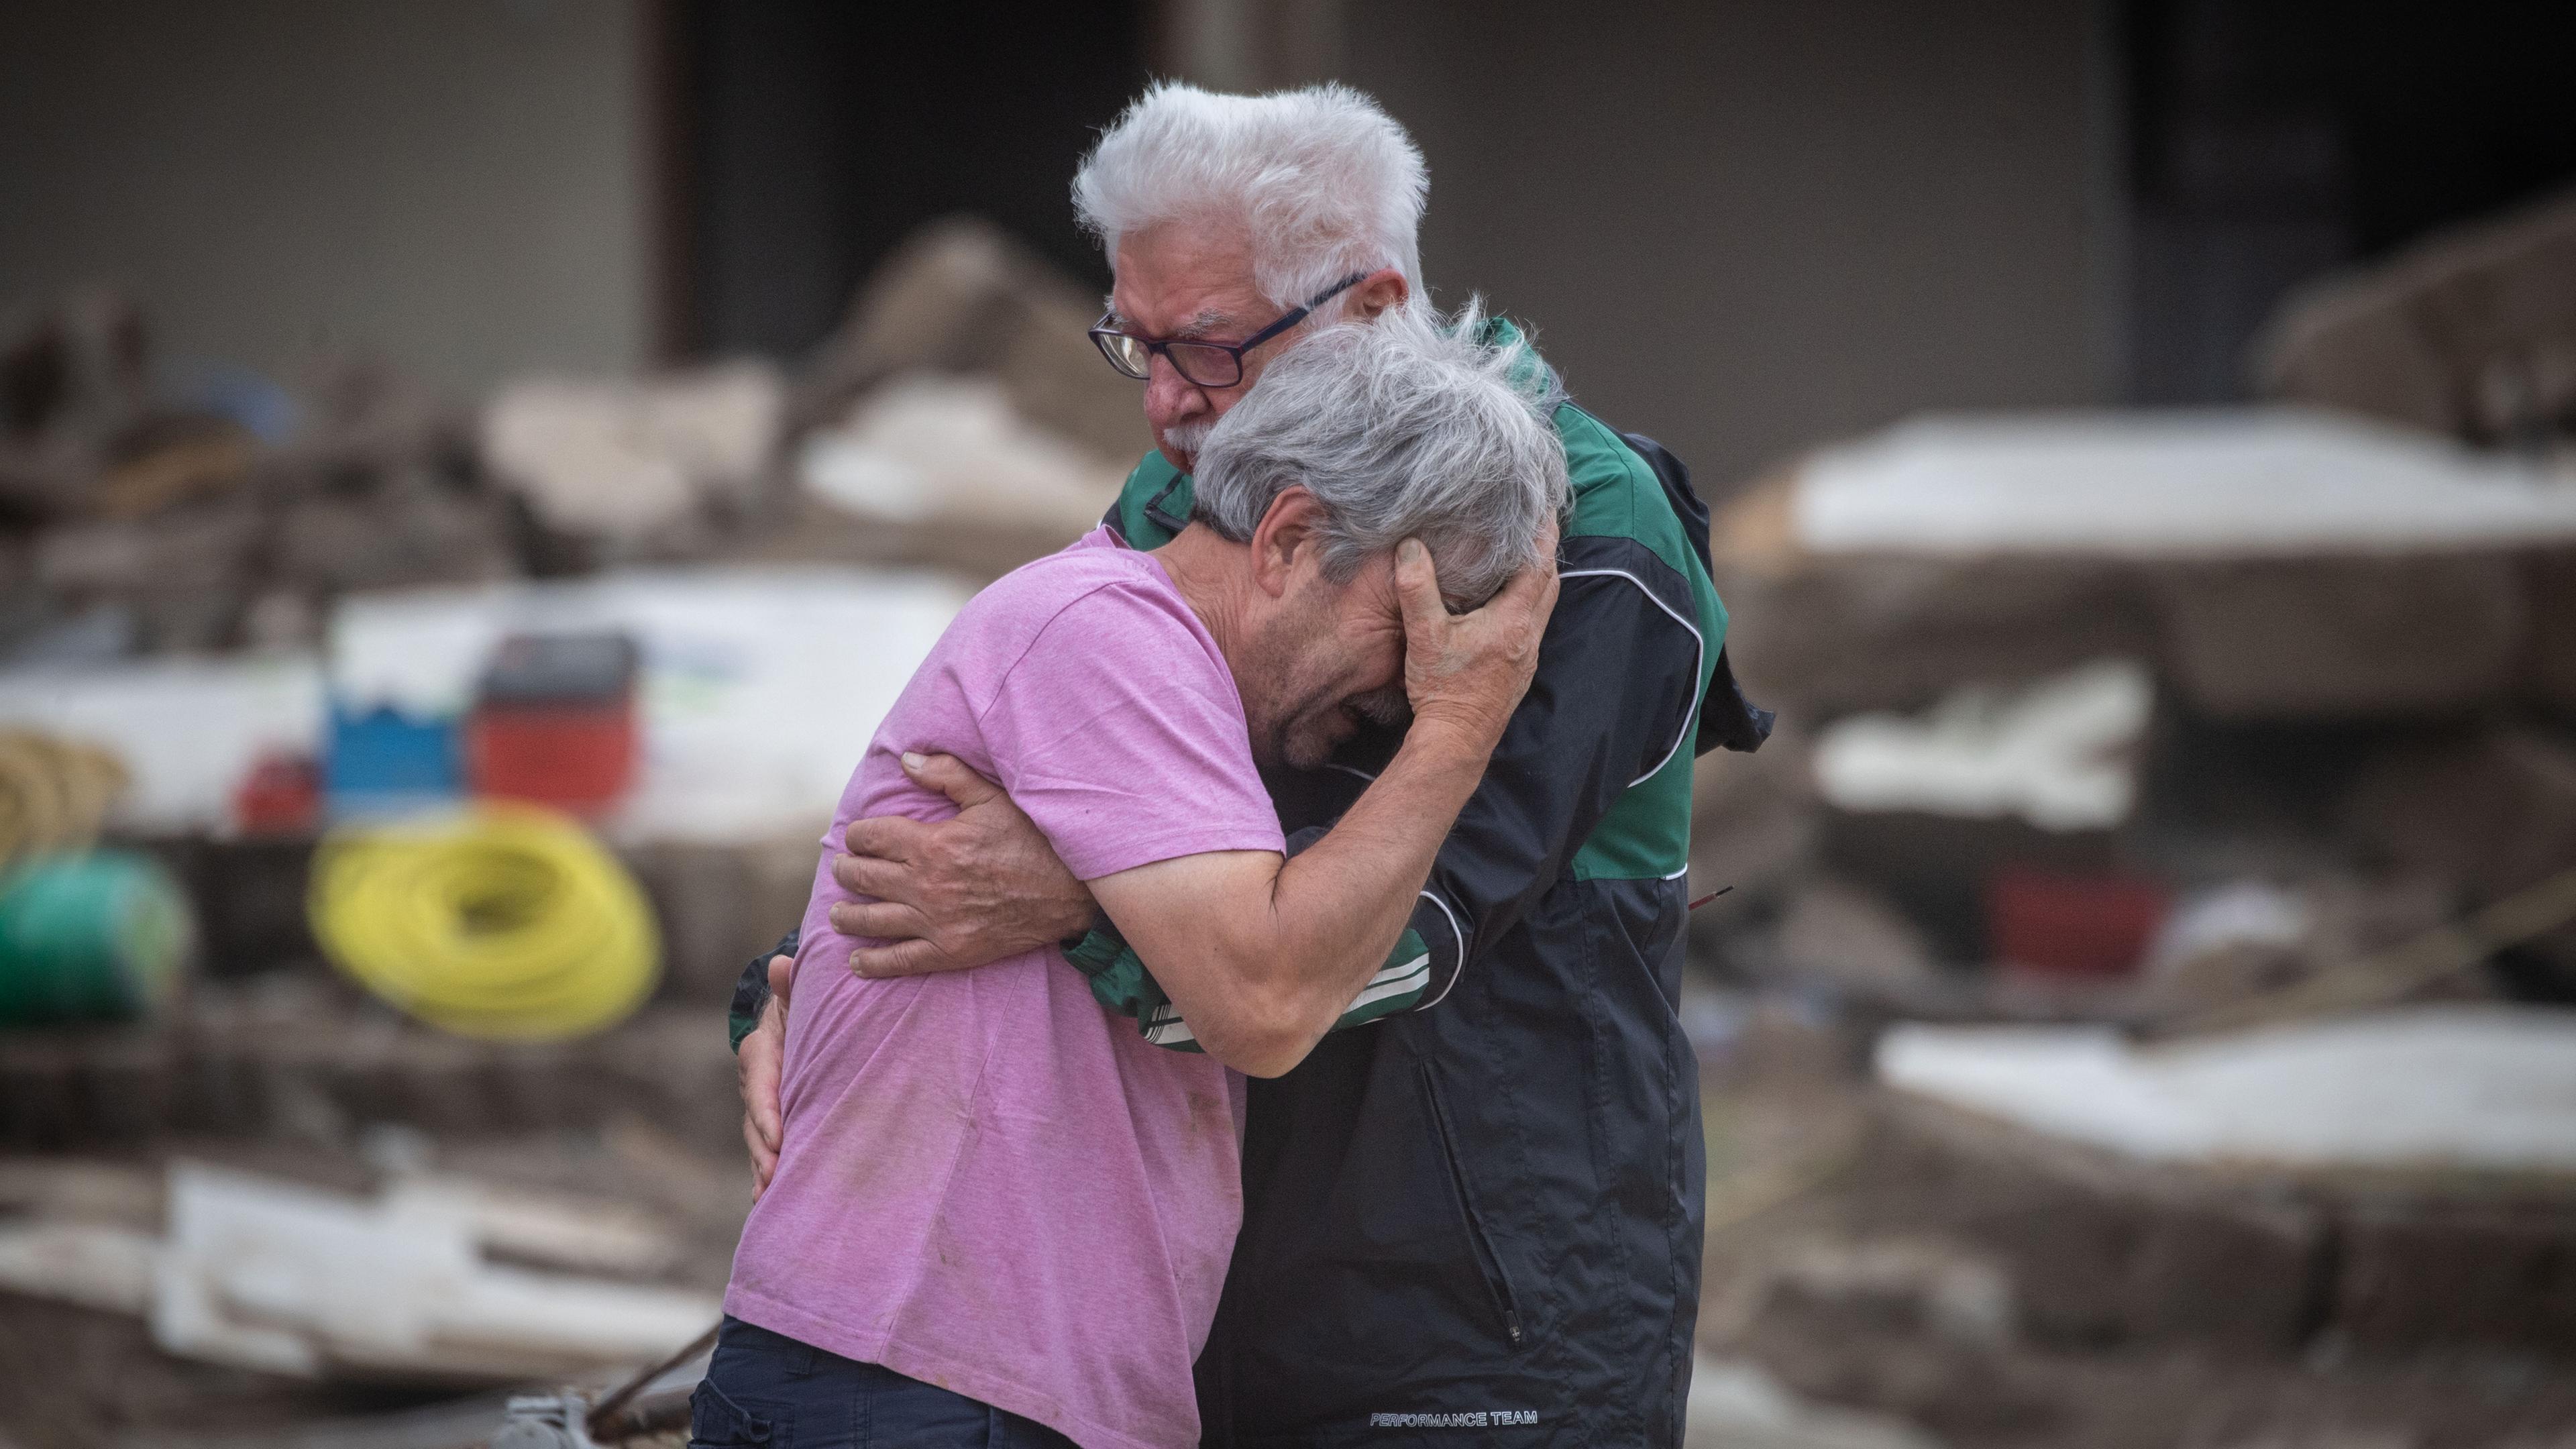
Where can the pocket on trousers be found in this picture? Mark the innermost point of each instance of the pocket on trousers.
(717, 1422)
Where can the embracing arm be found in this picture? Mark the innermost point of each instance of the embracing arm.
(1261, 953)
(979, 886)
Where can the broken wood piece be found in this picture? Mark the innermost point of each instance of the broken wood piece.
(89, 1192)
(87, 1264)
(514, 1314)
(2391, 975)
(589, 1235)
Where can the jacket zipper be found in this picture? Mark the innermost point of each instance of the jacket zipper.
(1489, 1263)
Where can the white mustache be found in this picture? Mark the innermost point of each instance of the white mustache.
(1188, 437)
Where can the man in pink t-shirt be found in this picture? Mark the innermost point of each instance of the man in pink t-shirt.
(1000, 1211)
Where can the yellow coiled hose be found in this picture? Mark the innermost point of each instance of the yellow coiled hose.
(504, 922)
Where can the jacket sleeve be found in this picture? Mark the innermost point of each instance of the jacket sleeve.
(1618, 673)
(751, 992)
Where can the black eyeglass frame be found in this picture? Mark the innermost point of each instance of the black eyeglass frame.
(1102, 332)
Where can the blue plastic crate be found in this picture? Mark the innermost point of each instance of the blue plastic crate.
(382, 760)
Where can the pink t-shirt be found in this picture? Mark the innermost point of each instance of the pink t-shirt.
(988, 1182)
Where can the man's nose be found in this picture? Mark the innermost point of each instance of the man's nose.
(1169, 397)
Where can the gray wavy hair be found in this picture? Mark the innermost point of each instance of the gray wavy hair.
(1405, 427)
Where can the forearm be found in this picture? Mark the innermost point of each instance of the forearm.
(1283, 968)
(1261, 954)
(1339, 905)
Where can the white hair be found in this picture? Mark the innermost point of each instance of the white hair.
(1325, 182)
(1406, 427)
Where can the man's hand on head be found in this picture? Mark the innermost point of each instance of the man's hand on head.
(973, 889)
(1468, 671)
(757, 1063)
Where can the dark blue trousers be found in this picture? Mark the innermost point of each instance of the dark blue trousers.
(767, 1389)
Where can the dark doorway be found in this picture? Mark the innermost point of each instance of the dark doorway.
(812, 135)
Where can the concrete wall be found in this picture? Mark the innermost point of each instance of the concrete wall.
(1748, 227)
(458, 186)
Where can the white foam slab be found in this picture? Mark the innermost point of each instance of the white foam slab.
(2198, 483)
(2460, 1086)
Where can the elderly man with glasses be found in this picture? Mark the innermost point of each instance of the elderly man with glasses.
(1480, 1208)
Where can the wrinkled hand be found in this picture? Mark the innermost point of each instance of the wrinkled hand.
(1470, 670)
(757, 1063)
(963, 892)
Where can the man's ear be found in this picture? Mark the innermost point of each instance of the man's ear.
(1379, 290)
(1285, 535)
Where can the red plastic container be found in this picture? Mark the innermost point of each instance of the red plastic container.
(556, 723)
(576, 758)
(2072, 925)
(282, 795)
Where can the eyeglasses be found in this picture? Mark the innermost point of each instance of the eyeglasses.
(1207, 364)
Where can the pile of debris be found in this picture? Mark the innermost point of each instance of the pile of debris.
(422, 1283)
(2176, 815)
(2471, 334)
(958, 417)
(2169, 709)
(378, 1287)
(2348, 1232)
(145, 515)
